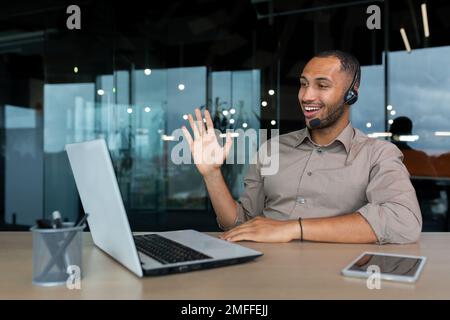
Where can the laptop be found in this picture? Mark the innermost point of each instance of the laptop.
(154, 253)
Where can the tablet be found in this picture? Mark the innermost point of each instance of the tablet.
(393, 267)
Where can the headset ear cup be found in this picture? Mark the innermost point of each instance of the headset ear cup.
(351, 97)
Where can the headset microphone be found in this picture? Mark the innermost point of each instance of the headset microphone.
(314, 123)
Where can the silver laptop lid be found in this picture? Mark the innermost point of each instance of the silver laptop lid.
(100, 195)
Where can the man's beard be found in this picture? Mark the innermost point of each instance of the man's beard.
(332, 117)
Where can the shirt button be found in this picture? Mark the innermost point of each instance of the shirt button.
(301, 200)
(309, 173)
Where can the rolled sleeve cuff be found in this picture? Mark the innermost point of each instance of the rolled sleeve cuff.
(373, 216)
(240, 218)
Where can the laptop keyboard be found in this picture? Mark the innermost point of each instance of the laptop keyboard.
(165, 250)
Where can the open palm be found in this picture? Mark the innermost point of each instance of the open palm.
(206, 151)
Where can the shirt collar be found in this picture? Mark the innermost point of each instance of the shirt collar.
(345, 137)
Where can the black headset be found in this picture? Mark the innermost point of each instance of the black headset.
(351, 96)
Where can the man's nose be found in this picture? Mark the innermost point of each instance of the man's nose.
(307, 95)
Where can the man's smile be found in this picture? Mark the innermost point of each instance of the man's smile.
(311, 111)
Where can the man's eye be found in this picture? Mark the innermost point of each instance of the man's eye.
(303, 84)
(322, 86)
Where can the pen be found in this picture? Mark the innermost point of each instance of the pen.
(57, 224)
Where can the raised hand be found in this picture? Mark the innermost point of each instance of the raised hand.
(206, 151)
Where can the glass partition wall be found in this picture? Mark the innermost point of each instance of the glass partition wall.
(131, 75)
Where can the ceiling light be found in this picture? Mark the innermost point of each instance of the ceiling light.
(405, 40)
(426, 29)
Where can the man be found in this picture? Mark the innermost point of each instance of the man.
(334, 184)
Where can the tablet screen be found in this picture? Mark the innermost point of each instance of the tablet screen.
(401, 266)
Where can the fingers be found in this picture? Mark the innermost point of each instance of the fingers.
(198, 127)
(200, 124)
(193, 127)
(209, 123)
(243, 236)
(249, 227)
(231, 233)
(227, 146)
(239, 229)
(187, 135)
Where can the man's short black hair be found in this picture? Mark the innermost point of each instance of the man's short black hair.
(349, 63)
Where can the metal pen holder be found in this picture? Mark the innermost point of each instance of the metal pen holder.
(55, 253)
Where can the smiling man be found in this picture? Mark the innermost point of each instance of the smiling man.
(334, 184)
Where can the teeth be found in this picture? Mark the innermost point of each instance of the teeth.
(311, 109)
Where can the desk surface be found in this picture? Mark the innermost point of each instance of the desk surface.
(286, 271)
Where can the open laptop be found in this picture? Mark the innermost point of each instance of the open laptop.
(154, 253)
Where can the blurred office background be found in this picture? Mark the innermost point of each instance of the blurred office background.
(135, 69)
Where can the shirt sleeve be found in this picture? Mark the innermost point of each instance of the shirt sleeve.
(392, 210)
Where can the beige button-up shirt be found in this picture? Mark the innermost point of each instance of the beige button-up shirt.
(354, 173)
